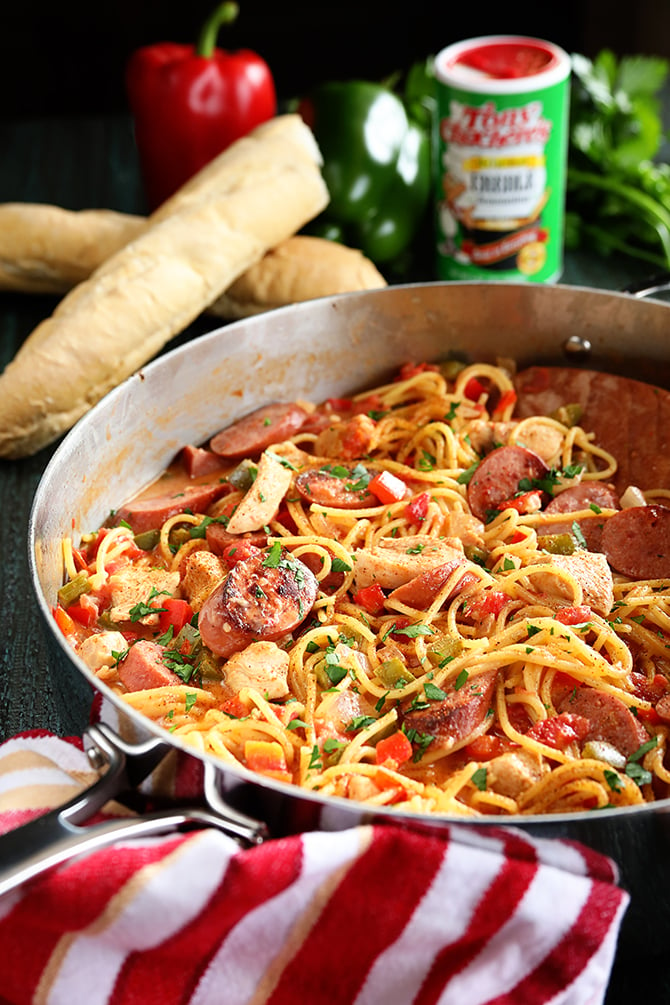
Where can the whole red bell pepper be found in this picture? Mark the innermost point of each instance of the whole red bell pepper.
(190, 102)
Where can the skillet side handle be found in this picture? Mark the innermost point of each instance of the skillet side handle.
(647, 287)
(56, 836)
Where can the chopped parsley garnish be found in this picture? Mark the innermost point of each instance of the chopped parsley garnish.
(577, 533)
(465, 476)
(359, 722)
(413, 631)
(634, 769)
(339, 565)
(433, 692)
(461, 679)
(422, 741)
(478, 779)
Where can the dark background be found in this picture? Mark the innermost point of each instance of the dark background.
(67, 58)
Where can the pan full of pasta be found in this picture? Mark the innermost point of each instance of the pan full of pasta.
(397, 554)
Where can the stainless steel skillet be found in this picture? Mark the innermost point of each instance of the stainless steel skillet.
(316, 350)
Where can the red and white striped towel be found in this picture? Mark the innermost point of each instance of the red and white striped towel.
(368, 915)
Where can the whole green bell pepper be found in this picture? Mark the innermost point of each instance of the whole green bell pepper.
(377, 167)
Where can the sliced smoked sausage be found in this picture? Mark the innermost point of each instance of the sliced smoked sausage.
(611, 721)
(455, 717)
(264, 597)
(636, 542)
(254, 432)
(338, 486)
(150, 514)
(497, 478)
(584, 496)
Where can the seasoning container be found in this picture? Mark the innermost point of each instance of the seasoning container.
(501, 157)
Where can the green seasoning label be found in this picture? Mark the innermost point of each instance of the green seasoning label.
(501, 173)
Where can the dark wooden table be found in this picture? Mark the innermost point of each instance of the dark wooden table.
(91, 163)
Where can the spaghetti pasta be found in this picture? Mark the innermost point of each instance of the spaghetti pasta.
(422, 624)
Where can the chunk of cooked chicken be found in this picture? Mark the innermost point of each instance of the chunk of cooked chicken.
(467, 528)
(260, 503)
(133, 585)
(396, 560)
(202, 572)
(262, 665)
(592, 572)
(350, 439)
(512, 773)
(102, 650)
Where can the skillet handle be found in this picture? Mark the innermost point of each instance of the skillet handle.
(647, 287)
(57, 836)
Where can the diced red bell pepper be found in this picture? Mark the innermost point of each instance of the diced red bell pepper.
(526, 502)
(574, 615)
(506, 399)
(64, 621)
(238, 552)
(388, 487)
(338, 404)
(474, 389)
(394, 750)
(488, 602)
(371, 598)
(517, 537)
(560, 730)
(174, 612)
(417, 508)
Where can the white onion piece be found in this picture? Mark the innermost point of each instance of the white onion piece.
(633, 496)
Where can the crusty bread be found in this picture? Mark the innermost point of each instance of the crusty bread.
(254, 195)
(46, 249)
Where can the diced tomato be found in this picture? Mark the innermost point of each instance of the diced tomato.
(79, 559)
(488, 602)
(371, 403)
(174, 612)
(235, 707)
(64, 621)
(394, 750)
(238, 551)
(648, 690)
(506, 399)
(474, 389)
(267, 758)
(561, 730)
(85, 612)
(484, 748)
(388, 487)
(649, 715)
(338, 404)
(574, 615)
(409, 370)
(417, 508)
(371, 598)
(526, 502)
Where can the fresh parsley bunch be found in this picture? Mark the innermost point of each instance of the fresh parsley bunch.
(618, 196)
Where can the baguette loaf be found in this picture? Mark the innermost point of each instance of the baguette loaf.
(254, 195)
(46, 249)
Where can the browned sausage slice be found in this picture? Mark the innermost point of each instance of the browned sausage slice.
(143, 667)
(497, 478)
(629, 418)
(149, 514)
(452, 719)
(421, 591)
(197, 461)
(264, 597)
(586, 495)
(258, 430)
(636, 542)
(337, 485)
(610, 720)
